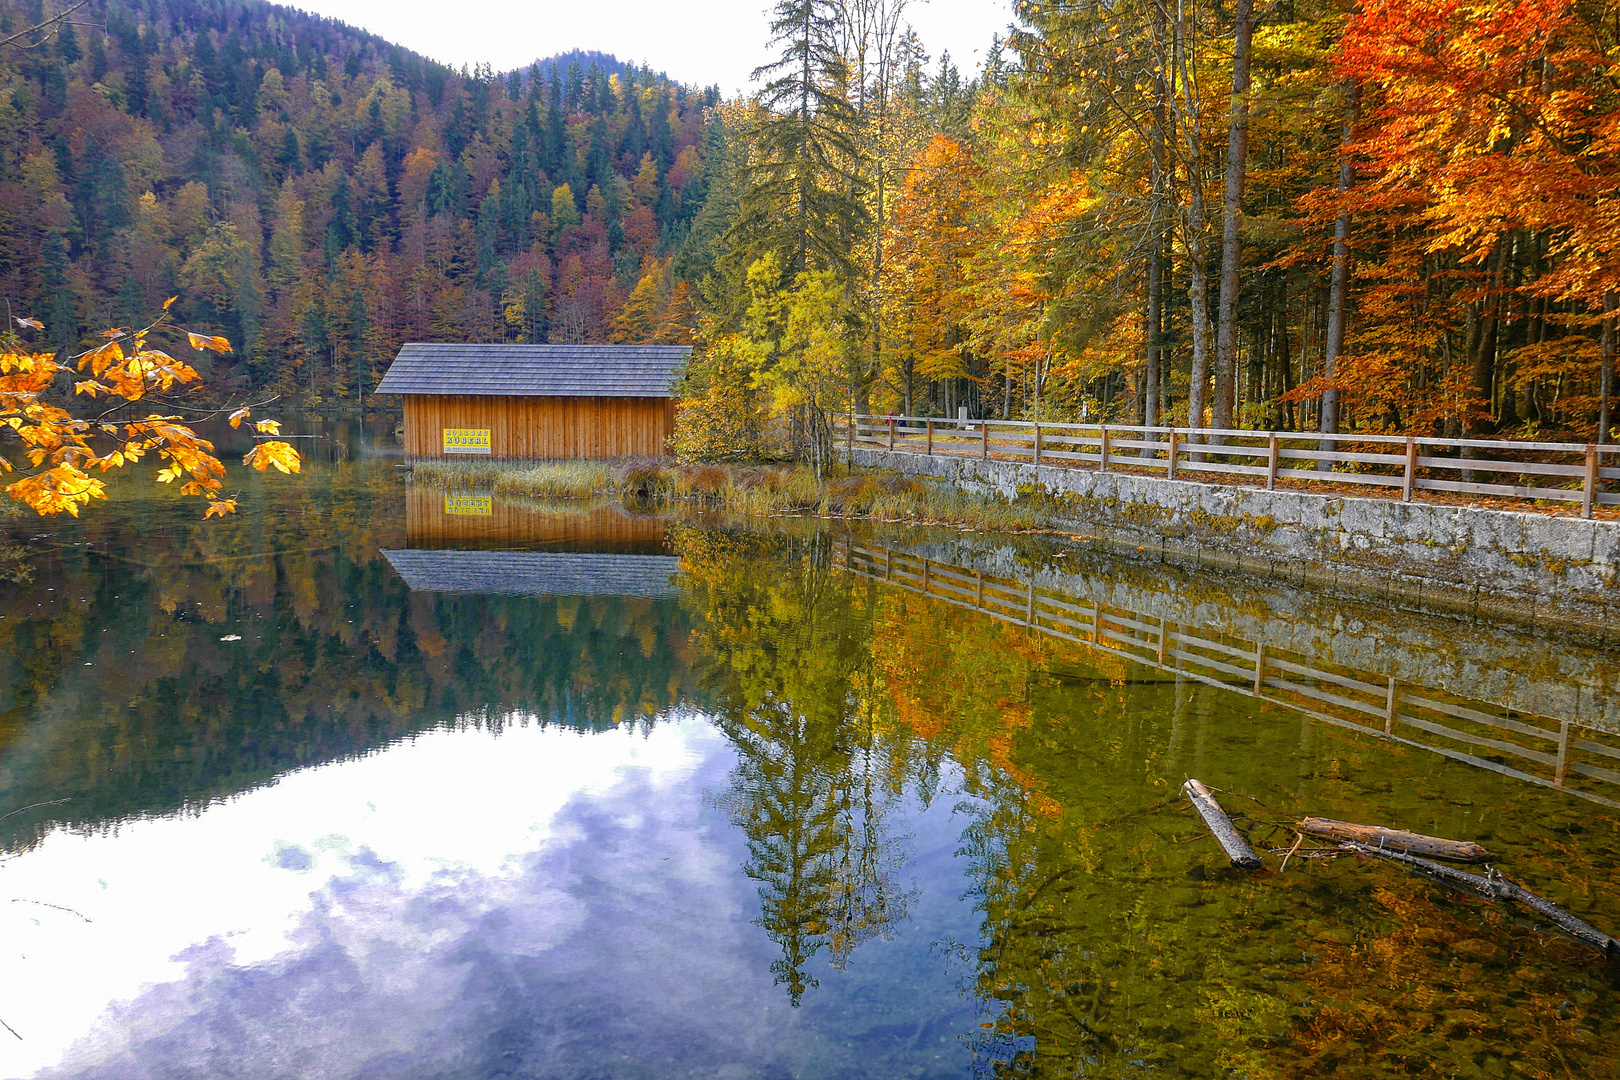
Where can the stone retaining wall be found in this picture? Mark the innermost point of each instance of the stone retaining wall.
(1527, 567)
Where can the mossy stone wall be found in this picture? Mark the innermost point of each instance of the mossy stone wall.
(1522, 566)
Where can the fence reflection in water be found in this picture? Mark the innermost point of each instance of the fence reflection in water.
(1549, 751)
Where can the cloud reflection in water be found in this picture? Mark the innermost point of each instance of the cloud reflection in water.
(624, 946)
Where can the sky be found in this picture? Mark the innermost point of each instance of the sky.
(710, 41)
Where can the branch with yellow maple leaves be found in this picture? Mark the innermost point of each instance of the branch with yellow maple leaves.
(126, 368)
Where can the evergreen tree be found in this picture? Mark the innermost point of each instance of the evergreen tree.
(55, 302)
(534, 308)
(344, 228)
(359, 326)
(131, 303)
(800, 198)
(291, 158)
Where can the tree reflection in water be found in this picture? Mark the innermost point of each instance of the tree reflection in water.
(1113, 939)
(781, 657)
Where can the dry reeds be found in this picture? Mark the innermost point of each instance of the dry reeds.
(741, 489)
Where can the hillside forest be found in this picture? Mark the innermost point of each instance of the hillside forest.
(1395, 216)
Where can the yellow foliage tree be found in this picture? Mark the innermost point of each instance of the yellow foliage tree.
(63, 450)
(722, 420)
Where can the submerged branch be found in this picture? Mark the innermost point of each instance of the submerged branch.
(1497, 887)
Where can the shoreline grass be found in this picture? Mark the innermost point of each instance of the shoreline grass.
(753, 490)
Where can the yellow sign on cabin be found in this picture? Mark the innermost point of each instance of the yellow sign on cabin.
(469, 505)
(466, 440)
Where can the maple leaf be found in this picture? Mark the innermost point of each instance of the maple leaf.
(238, 416)
(35, 323)
(219, 508)
(278, 455)
(212, 344)
(268, 427)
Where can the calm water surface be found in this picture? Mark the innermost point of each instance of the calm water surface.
(356, 788)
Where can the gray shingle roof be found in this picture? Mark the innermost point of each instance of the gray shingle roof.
(536, 573)
(536, 370)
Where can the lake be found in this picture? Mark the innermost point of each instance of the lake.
(372, 781)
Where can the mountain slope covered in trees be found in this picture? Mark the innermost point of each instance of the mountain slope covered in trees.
(319, 195)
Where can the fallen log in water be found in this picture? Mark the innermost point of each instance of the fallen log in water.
(1395, 840)
(1497, 887)
(1226, 834)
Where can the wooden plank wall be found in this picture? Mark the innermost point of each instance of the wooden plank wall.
(602, 528)
(542, 427)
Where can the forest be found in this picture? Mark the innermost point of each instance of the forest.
(1301, 215)
(318, 196)
(1392, 217)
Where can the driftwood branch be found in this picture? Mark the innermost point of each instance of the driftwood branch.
(57, 907)
(46, 30)
(1226, 834)
(1395, 840)
(1497, 887)
(34, 806)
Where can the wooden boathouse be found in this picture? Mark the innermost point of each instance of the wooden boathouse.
(536, 401)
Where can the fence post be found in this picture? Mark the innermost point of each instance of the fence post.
(1560, 770)
(930, 436)
(984, 437)
(1392, 705)
(1271, 465)
(1589, 492)
(1171, 460)
(1037, 442)
(852, 430)
(1259, 667)
(1103, 457)
(1410, 478)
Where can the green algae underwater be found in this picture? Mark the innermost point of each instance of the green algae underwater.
(957, 847)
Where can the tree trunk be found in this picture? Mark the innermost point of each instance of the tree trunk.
(1606, 372)
(1395, 839)
(1483, 363)
(1155, 339)
(1156, 210)
(1193, 221)
(1237, 159)
(1338, 285)
(1484, 356)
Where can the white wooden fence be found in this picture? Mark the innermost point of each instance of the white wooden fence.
(1565, 472)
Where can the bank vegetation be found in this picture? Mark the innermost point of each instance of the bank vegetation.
(749, 490)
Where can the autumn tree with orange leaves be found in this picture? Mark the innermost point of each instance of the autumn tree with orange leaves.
(1496, 131)
(131, 389)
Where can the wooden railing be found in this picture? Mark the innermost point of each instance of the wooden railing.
(1564, 472)
(1546, 751)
